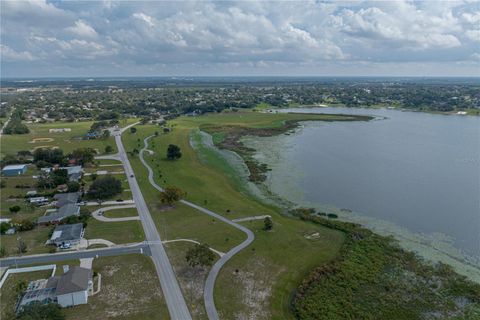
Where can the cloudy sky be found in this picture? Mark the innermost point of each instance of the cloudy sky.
(134, 38)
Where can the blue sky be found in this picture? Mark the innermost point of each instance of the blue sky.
(208, 38)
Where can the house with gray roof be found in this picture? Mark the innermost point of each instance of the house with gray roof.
(70, 289)
(74, 172)
(66, 198)
(70, 209)
(67, 234)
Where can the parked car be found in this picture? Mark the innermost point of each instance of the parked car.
(65, 246)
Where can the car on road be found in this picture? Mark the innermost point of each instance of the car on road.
(131, 176)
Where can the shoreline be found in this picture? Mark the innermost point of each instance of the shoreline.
(419, 244)
(402, 109)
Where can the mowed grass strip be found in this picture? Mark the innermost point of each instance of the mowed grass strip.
(259, 281)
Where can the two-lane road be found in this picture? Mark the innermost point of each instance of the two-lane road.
(171, 290)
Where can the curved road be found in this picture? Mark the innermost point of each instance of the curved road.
(212, 275)
(100, 217)
(171, 290)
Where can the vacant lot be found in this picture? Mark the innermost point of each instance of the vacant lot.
(34, 239)
(117, 232)
(258, 282)
(130, 291)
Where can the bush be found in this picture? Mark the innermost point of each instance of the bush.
(38, 311)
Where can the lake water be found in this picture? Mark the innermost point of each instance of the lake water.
(413, 175)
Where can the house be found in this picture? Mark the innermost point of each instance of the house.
(74, 172)
(14, 170)
(66, 198)
(67, 210)
(67, 234)
(70, 289)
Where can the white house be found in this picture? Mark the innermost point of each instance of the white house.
(70, 289)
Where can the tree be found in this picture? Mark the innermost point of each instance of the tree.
(103, 188)
(133, 130)
(173, 152)
(83, 155)
(14, 209)
(106, 133)
(73, 186)
(20, 287)
(21, 246)
(200, 255)
(4, 226)
(108, 149)
(171, 195)
(38, 311)
(268, 223)
(3, 251)
(3, 184)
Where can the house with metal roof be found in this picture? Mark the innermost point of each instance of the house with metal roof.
(69, 209)
(67, 234)
(14, 170)
(70, 289)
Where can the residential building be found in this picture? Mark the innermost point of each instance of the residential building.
(70, 234)
(70, 289)
(14, 170)
(67, 210)
(66, 198)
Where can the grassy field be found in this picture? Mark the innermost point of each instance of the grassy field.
(258, 282)
(67, 141)
(117, 232)
(192, 281)
(130, 291)
(8, 295)
(34, 239)
(121, 213)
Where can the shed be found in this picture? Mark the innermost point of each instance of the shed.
(14, 170)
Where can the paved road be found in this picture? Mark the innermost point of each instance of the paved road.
(171, 290)
(96, 214)
(212, 276)
(92, 253)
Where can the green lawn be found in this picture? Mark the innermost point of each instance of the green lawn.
(130, 291)
(34, 239)
(259, 281)
(121, 213)
(117, 232)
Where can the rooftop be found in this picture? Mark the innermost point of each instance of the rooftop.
(74, 280)
(67, 232)
(14, 167)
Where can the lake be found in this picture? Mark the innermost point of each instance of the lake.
(414, 175)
